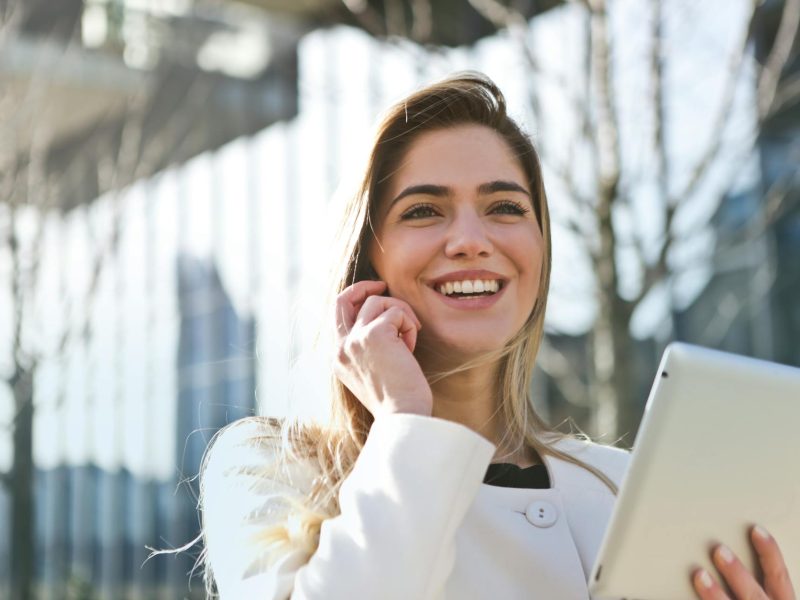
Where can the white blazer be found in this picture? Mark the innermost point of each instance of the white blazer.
(417, 522)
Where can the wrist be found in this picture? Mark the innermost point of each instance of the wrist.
(422, 408)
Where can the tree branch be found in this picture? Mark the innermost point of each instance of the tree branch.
(9, 20)
(718, 126)
(395, 18)
(18, 302)
(659, 105)
(779, 54)
(422, 24)
(367, 17)
(127, 163)
(607, 126)
(576, 227)
(562, 374)
(730, 307)
(504, 17)
(788, 93)
(606, 156)
(777, 201)
(653, 273)
(564, 173)
(130, 163)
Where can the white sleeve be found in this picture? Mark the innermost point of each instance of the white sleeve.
(401, 507)
(242, 495)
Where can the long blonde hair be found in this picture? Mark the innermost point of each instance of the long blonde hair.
(465, 98)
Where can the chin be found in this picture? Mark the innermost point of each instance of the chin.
(462, 347)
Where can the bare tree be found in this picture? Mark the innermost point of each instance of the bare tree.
(612, 381)
(603, 188)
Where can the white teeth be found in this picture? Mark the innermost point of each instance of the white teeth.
(474, 286)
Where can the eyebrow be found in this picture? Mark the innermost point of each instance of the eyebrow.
(441, 190)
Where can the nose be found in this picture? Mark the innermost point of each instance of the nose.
(467, 236)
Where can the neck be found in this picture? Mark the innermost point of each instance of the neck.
(470, 398)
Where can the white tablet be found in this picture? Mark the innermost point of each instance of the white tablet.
(718, 450)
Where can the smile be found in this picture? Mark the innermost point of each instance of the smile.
(470, 288)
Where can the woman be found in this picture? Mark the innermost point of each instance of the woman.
(435, 477)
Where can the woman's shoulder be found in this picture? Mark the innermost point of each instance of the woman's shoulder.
(250, 483)
(249, 432)
(575, 444)
(239, 444)
(251, 454)
(610, 460)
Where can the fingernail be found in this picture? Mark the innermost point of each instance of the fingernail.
(725, 554)
(761, 532)
(705, 579)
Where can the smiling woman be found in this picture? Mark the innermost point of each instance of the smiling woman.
(435, 477)
(460, 213)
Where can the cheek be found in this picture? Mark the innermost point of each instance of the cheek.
(401, 259)
(528, 254)
(527, 246)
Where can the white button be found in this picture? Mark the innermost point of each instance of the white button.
(541, 513)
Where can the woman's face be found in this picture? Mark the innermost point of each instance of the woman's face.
(458, 240)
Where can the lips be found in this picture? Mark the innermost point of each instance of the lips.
(467, 275)
(469, 290)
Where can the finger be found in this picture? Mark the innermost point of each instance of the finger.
(742, 582)
(375, 305)
(408, 333)
(400, 324)
(707, 587)
(350, 300)
(776, 574)
(393, 312)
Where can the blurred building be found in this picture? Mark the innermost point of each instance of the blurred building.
(154, 83)
(216, 386)
(107, 94)
(779, 153)
(94, 526)
(752, 303)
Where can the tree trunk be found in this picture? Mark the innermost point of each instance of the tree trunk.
(612, 347)
(21, 546)
(613, 350)
(624, 378)
(604, 365)
(616, 414)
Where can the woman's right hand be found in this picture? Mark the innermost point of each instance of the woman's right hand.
(375, 337)
(774, 582)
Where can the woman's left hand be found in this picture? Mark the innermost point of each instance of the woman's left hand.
(744, 586)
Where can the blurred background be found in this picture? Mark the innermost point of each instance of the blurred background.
(167, 169)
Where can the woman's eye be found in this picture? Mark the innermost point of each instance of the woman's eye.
(508, 207)
(420, 211)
